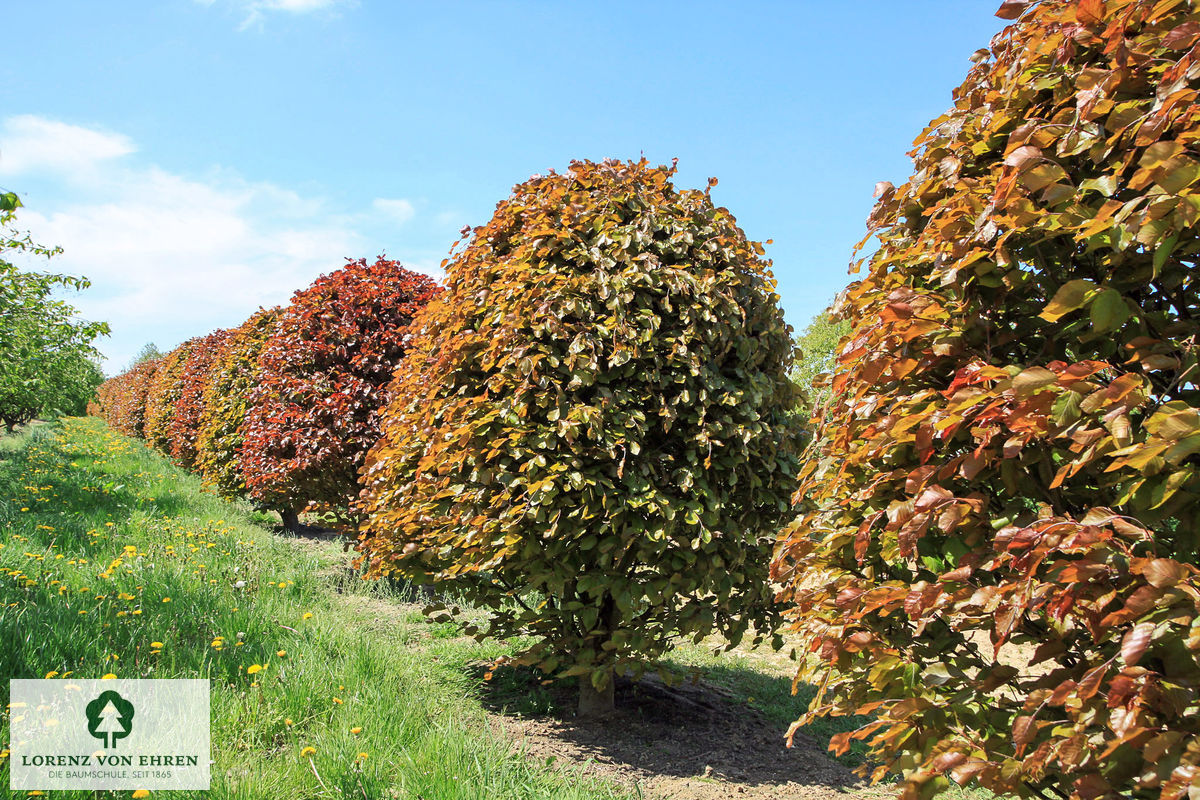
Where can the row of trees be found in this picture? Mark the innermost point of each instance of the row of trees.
(47, 353)
(595, 413)
(591, 430)
(283, 408)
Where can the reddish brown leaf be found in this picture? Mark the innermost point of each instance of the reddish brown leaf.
(1011, 9)
(1135, 642)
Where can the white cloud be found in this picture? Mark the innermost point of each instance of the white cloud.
(256, 10)
(29, 143)
(399, 211)
(296, 6)
(171, 256)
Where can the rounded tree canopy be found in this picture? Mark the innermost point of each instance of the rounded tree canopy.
(592, 422)
(320, 383)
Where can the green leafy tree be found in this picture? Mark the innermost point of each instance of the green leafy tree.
(818, 345)
(589, 434)
(149, 352)
(47, 356)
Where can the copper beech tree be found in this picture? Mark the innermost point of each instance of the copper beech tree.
(163, 394)
(321, 378)
(996, 554)
(122, 399)
(234, 375)
(589, 433)
(195, 376)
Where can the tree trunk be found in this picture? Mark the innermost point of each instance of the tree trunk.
(595, 703)
(291, 521)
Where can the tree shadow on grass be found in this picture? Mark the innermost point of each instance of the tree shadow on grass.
(695, 739)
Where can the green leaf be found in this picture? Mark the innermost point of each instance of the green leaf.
(1070, 296)
(1031, 379)
(1108, 311)
(1163, 252)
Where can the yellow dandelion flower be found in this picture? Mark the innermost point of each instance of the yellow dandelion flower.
(253, 668)
(288, 722)
(356, 731)
(337, 700)
(140, 793)
(166, 599)
(307, 615)
(52, 673)
(308, 752)
(362, 756)
(156, 644)
(110, 676)
(281, 653)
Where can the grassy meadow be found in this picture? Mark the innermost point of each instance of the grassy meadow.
(115, 562)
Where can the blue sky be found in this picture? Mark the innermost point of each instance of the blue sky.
(199, 159)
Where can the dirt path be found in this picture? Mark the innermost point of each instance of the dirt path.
(697, 743)
(687, 753)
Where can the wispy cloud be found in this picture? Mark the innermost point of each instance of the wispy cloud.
(169, 256)
(397, 210)
(29, 143)
(255, 12)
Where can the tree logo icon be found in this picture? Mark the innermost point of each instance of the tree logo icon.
(110, 717)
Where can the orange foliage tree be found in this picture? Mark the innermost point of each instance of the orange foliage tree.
(235, 373)
(996, 555)
(321, 380)
(122, 399)
(194, 378)
(162, 396)
(595, 412)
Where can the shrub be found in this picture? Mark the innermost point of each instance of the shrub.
(163, 394)
(235, 373)
(194, 378)
(1010, 454)
(588, 435)
(321, 380)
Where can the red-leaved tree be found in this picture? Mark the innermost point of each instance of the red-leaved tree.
(322, 377)
(162, 395)
(122, 398)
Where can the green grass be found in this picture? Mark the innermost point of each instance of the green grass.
(75, 497)
(105, 547)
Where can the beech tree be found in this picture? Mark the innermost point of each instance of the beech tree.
(589, 433)
(162, 396)
(122, 399)
(195, 375)
(1010, 452)
(235, 373)
(320, 383)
